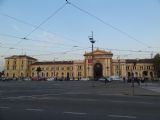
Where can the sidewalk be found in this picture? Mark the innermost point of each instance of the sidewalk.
(149, 89)
(151, 86)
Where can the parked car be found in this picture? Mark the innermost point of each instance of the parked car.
(2, 79)
(50, 79)
(27, 79)
(104, 79)
(84, 79)
(114, 78)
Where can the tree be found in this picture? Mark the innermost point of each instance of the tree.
(2, 73)
(156, 62)
(38, 71)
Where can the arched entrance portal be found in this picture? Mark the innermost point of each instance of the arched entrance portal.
(98, 70)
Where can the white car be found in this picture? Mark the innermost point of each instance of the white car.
(27, 79)
(103, 79)
(114, 78)
(84, 79)
(51, 79)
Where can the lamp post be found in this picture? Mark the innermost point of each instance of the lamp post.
(133, 75)
(92, 42)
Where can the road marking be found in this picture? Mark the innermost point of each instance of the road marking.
(29, 96)
(121, 101)
(30, 109)
(75, 113)
(122, 116)
(4, 107)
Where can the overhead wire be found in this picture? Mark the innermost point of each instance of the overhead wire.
(82, 10)
(113, 49)
(108, 24)
(63, 52)
(29, 39)
(34, 26)
(13, 36)
(48, 52)
(44, 21)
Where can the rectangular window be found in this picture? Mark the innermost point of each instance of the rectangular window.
(71, 68)
(148, 67)
(79, 67)
(53, 68)
(21, 67)
(117, 66)
(47, 68)
(127, 67)
(68, 68)
(62, 68)
(57, 68)
(7, 67)
(14, 67)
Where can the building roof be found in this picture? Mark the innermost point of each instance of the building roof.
(139, 60)
(20, 56)
(99, 52)
(52, 62)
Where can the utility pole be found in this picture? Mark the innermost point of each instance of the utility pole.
(92, 42)
(119, 67)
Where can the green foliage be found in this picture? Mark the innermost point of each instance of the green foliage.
(1, 73)
(157, 64)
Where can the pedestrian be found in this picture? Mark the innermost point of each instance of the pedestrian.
(124, 79)
(106, 81)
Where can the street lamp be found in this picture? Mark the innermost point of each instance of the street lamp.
(92, 42)
(133, 75)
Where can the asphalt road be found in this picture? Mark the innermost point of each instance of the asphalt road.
(75, 100)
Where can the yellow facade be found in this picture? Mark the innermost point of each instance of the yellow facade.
(142, 68)
(18, 66)
(102, 66)
(59, 69)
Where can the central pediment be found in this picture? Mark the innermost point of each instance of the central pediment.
(98, 52)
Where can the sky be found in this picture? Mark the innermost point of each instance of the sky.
(58, 30)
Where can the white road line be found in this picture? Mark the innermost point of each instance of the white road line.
(4, 107)
(31, 109)
(122, 116)
(121, 101)
(75, 113)
(29, 96)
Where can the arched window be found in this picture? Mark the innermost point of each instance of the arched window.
(42, 74)
(7, 74)
(62, 73)
(21, 74)
(32, 74)
(47, 74)
(13, 75)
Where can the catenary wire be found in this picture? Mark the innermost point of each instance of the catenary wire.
(108, 24)
(44, 21)
(34, 26)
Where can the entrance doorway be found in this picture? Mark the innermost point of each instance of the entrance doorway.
(98, 70)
